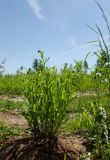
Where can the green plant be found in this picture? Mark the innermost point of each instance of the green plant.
(103, 62)
(12, 84)
(7, 132)
(39, 64)
(100, 114)
(48, 94)
(6, 105)
(100, 132)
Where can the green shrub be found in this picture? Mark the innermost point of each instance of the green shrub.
(48, 95)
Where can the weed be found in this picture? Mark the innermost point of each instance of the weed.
(8, 132)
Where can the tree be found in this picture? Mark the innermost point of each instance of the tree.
(20, 70)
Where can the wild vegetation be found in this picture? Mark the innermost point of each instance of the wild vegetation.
(70, 101)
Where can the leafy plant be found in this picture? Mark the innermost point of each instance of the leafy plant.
(48, 94)
(100, 132)
(39, 64)
(6, 105)
(12, 84)
(7, 132)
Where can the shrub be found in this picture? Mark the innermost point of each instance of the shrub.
(48, 95)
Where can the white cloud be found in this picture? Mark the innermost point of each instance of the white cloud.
(69, 38)
(36, 8)
(84, 48)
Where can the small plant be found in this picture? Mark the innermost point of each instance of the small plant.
(6, 105)
(48, 94)
(100, 133)
(6, 132)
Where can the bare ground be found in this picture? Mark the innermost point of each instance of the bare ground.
(42, 148)
(13, 117)
(13, 99)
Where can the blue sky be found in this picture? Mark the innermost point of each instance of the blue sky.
(58, 27)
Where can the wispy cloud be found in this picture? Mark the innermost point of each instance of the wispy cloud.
(73, 42)
(36, 8)
(64, 27)
(83, 48)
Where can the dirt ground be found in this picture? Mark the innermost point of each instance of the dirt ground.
(13, 98)
(43, 148)
(13, 117)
